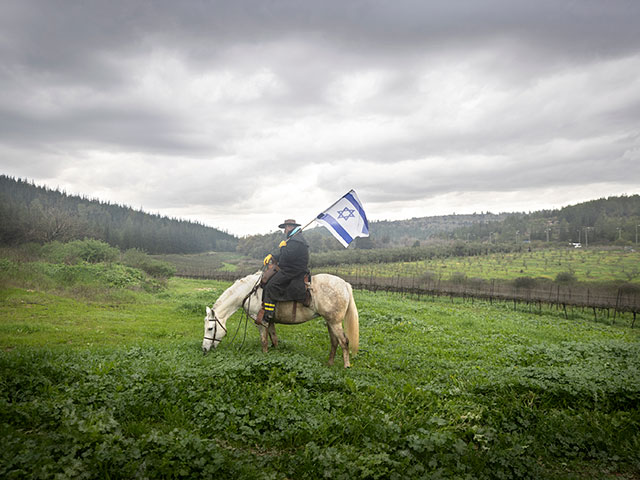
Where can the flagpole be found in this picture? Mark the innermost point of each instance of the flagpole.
(300, 229)
(307, 225)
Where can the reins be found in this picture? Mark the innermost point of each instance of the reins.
(245, 313)
(245, 316)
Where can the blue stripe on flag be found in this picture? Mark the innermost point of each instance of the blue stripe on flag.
(337, 227)
(356, 204)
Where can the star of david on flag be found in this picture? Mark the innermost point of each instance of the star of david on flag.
(345, 219)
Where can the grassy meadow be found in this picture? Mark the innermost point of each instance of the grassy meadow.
(111, 383)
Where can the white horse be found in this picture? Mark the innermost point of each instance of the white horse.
(331, 298)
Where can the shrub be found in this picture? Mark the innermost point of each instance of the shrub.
(114, 275)
(87, 250)
(138, 259)
(477, 283)
(51, 276)
(134, 257)
(524, 283)
(428, 276)
(565, 278)
(458, 278)
(27, 252)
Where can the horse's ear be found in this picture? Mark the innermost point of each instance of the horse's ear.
(209, 312)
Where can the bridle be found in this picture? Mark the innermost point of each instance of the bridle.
(215, 330)
(217, 321)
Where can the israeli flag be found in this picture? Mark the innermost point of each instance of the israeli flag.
(345, 219)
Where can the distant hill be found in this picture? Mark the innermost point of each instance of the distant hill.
(419, 229)
(32, 213)
(382, 234)
(605, 221)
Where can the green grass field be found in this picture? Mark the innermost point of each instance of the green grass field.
(116, 386)
(588, 265)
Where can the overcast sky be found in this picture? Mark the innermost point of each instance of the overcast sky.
(240, 114)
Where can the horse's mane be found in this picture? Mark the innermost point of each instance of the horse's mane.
(249, 281)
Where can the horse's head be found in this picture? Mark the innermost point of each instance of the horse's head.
(214, 331)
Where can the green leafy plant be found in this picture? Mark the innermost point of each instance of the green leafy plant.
(525, 283)
(87, 250)
(565, 278)
(156, 268)
(440, 389)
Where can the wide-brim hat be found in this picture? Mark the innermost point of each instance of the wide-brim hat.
(289, 221)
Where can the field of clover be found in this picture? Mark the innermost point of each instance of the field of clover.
(114, 385)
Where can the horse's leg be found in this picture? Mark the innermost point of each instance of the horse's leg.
(264, 339)
(335, 331)
(334, 345)
(272, 335)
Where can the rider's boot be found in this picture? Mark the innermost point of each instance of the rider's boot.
(260, 320)
(269, 312)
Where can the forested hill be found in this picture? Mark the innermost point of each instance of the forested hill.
(31, 213)
(605, 221)
(407, 232)
(384, 234)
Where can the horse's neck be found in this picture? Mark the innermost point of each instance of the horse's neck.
(232, 298)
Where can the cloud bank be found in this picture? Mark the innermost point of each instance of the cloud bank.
(241, 114)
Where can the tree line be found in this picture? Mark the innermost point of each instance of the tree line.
(408, 254)
(610, 221)
(257, 246)
(32, 213)
(606, 221)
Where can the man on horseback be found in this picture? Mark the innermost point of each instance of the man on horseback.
(287, 283)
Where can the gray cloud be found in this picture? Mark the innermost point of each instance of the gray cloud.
(203, 103)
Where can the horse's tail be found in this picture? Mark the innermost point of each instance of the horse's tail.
(352, 323)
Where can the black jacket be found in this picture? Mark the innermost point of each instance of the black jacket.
(293, 258)
(288, 282)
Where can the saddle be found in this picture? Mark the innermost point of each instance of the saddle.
(307, 295)
(307, 290)
(272, 269)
